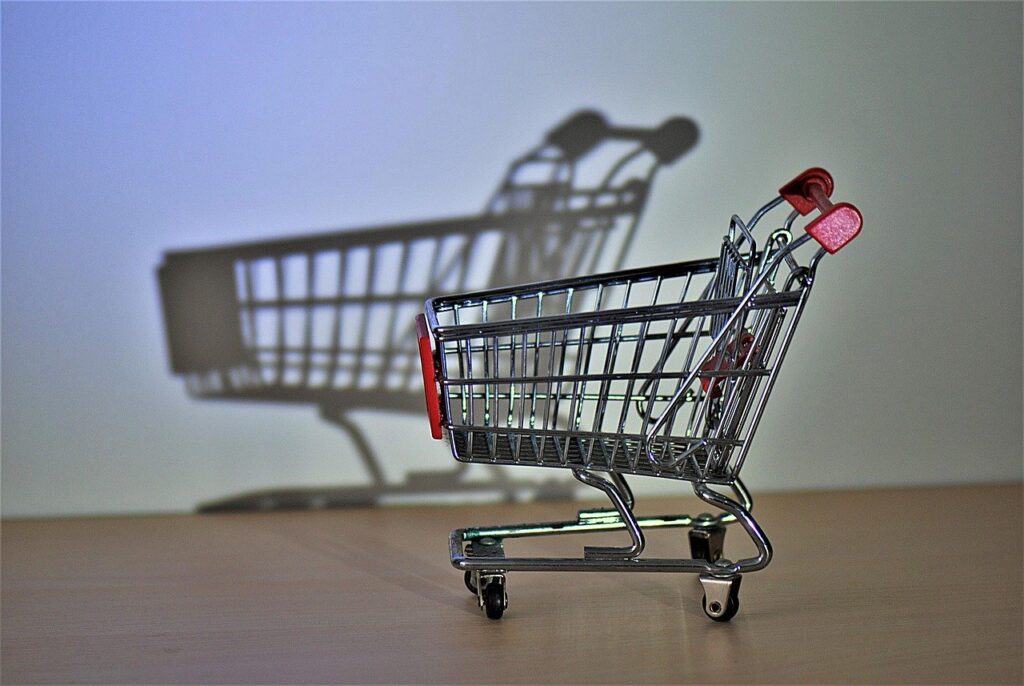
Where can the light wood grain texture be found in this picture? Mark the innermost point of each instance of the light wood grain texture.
(918, 585)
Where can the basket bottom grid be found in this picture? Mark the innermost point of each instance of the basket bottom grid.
(600, 452)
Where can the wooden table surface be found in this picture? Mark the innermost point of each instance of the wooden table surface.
(920, 585)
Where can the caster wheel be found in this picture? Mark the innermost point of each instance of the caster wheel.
(716, 612)
(707, 544)
(494, 599)
(470, 584)
(721, 599)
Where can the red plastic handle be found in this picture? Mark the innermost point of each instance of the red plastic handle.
(798, 192)
(429, 376)
(838, 224)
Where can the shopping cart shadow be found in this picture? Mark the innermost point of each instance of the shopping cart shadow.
(328, 319)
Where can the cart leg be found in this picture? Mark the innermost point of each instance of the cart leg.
(624, 489)
(337, 417)
(623, 503)
(742, 514)
(707, 537)
(742, 494)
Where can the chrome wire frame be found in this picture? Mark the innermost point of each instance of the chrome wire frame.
(518, 369)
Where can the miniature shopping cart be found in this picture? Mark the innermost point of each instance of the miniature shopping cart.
(327, 319)
(661, 372)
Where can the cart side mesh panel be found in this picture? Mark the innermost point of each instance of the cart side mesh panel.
(575, 374)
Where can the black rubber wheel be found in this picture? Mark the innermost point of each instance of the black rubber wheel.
(494, 599)
(468, 579)
(732, 607)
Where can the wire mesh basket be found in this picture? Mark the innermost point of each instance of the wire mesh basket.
(662, 372)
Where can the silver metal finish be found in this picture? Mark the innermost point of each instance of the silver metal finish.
(662, 371)
(614, 494)
(718, 592)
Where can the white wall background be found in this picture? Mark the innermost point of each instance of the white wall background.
(129, 129)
